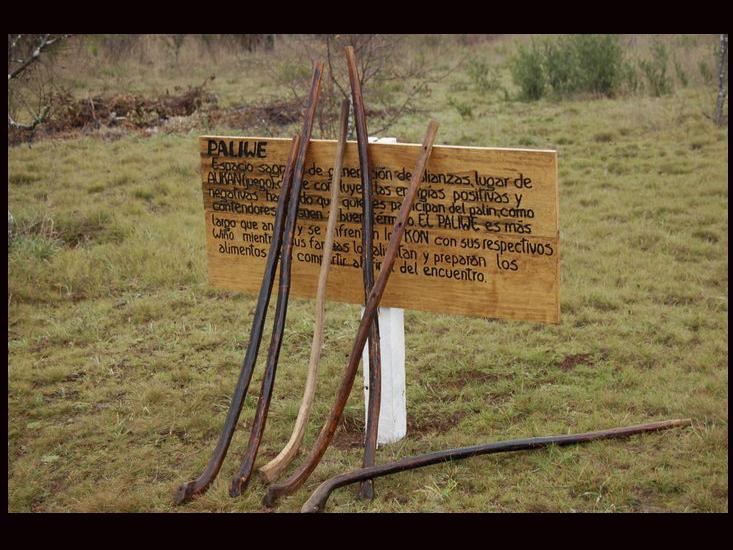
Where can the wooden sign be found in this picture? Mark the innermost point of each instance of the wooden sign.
(482, 239)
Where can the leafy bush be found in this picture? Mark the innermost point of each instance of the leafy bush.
(561, 66)
(527, 71)
(567, 65)
(600, 61)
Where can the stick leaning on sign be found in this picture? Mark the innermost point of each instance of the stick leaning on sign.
(367, 257)
(272, 470)
(199, 485)
(241, 478)
(292, 483)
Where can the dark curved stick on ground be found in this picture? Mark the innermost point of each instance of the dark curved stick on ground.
(241, 478)
(317, 500)
(292, 483)
(367, 260)
(199, 485)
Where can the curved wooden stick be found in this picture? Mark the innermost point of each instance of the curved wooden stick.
(367, 260)
(199, 485)
(241, 478)
(272, 470)
(370, 311)
(317, 500)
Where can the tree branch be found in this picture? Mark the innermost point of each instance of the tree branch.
(330, 69)
(37, 120)
(44, 43)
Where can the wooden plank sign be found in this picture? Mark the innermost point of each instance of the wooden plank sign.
(482, 239)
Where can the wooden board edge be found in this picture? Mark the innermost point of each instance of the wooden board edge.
(470, 147)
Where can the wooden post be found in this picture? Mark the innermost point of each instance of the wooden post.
(393, 408)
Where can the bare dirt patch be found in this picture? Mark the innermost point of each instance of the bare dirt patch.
(433, 424)
(571, 361)
(471, 377)
(350, 434)
(276, 113)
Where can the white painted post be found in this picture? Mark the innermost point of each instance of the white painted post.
(393, 407)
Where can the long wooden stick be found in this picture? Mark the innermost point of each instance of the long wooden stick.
(272, 470)
(370, 311)
(241, 478)
(317, 500)
(199, 485)
(367, 260)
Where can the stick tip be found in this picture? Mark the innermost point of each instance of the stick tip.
(238, 486)
(309, 508)
(270, 498)
(184, 493)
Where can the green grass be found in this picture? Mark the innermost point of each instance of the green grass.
(121, 359)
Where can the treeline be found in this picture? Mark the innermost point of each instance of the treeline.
(122, 46)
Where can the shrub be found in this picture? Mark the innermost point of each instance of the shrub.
(587, 63)
(600, 61)
(561, 66)
(483, 76)
(630, 77)
(527, 72)
(655, 71)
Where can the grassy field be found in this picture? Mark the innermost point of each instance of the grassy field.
(121, 359)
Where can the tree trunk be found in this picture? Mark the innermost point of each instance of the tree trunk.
(10, 226)
(721, 80)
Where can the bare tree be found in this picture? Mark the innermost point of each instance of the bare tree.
(394, 80)
(377, 59)
(721, 79)
(24, 52)
(24, 55)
